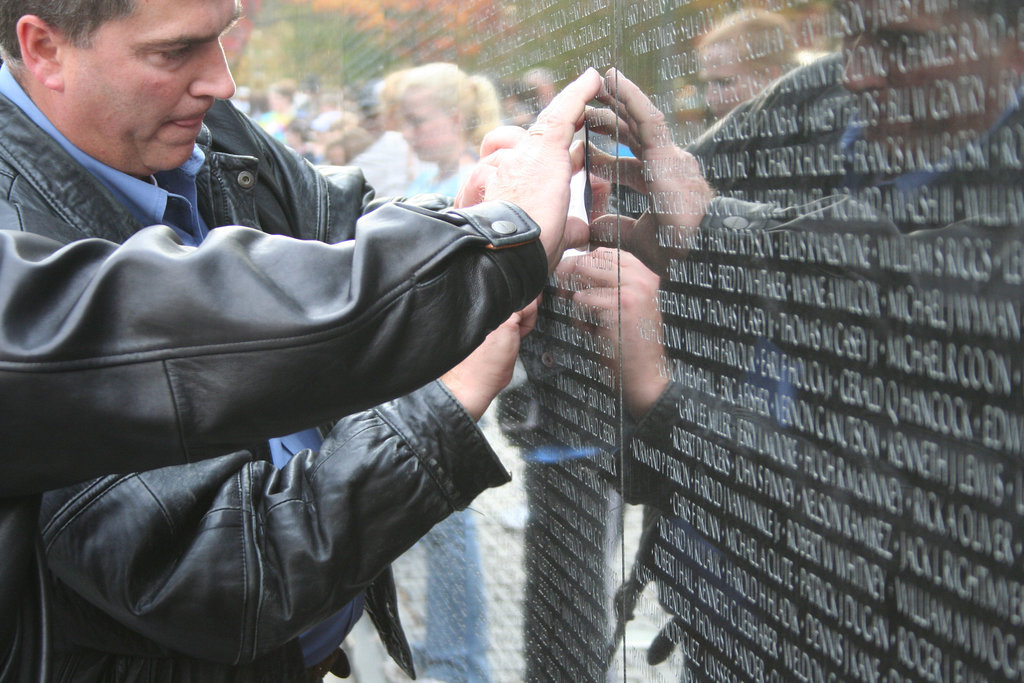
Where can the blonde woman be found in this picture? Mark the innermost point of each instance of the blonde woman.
(444, 114)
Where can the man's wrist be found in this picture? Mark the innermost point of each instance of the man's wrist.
(472, 400)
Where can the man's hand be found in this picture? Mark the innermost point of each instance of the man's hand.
(623, 294)
(485, 372)
(532, 168)
(670, 177)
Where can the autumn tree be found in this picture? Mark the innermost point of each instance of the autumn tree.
(418, 31)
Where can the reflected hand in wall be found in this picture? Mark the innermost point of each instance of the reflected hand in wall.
(622, 293)
(532, 168)
(670, 178)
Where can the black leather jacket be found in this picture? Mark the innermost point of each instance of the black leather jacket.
(132, 357)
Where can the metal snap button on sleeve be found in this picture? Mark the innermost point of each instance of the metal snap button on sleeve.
(504, 227)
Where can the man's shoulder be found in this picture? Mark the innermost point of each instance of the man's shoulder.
(25, 148)
(36, 178)
(292, 197)
(17, 129)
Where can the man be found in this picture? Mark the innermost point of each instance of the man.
(156, 353)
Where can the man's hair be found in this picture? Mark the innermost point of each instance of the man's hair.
(76, 19)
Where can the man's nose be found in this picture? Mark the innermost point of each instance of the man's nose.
(213, 78)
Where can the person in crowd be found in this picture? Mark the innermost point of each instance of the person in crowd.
(187, 341)
(741, 55)
(255, 102)
(345, 145)
(389, 164)
(334, 119)
(299, 137)
(884, 163)
(444, 115)
(515, 109)
(280, 110)
(332, 112)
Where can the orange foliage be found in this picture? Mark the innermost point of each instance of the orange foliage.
(418, 30)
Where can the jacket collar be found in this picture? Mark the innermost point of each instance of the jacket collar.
(69, 190)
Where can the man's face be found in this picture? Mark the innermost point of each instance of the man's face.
(728, 80)
(135, 98)
(432, 132)
(921, 73)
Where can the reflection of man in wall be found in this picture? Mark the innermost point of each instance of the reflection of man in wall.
(915, 124)
(741, 55)
(915, 107)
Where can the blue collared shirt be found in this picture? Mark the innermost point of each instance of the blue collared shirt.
(171, 198)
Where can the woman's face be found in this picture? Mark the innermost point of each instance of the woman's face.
(433, 133)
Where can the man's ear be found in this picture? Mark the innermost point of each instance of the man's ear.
(42, 51)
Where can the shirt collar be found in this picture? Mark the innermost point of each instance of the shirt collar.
(146, 200)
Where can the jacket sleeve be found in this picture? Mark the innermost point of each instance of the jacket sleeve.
(151, 353)
(230, 558)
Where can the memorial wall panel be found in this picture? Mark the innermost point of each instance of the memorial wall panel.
(770, 423)
(831, 478)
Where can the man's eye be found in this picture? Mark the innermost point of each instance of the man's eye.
(172, 56)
